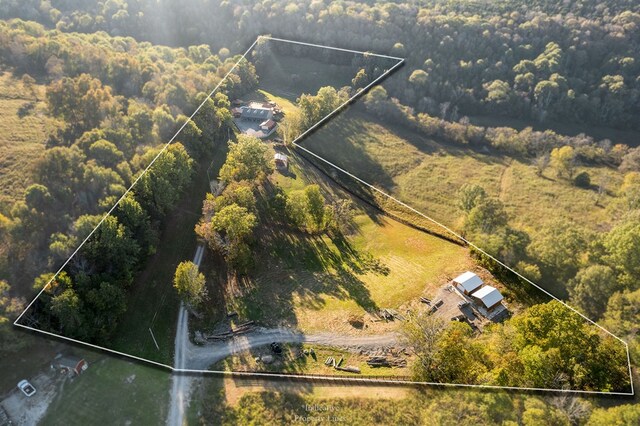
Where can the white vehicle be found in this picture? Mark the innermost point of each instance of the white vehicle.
(26, 388)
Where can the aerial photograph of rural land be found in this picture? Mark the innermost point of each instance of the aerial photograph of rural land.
(374, 212)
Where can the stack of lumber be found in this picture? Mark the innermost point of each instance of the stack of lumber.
(331, 362)
(349, 369)
(383, 361)
(390, 315)
(234, 331)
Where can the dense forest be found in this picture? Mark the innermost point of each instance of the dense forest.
(546, 61)
(115, 101)
(116, 92)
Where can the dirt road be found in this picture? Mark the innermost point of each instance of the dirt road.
(189, 356)
(181, 383)
(201, 357)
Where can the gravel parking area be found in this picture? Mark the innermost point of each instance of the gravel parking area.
(23, 410)
(450, 309)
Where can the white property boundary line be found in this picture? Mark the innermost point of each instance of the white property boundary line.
(164, 148)
(297, 145)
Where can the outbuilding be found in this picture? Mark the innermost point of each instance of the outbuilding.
(468, 282)
(69, 364)
(489, 296)
(281, 160)
(267, 125)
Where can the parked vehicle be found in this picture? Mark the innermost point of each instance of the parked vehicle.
(26, 388)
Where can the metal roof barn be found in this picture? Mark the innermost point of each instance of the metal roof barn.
(468, 282)
(489, 296)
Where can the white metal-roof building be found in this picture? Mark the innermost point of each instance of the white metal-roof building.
(281, 160)
(468, 282)
(489, 296)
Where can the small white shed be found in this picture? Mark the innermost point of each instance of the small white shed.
(489, 296)
(468, 282)
(281, 160)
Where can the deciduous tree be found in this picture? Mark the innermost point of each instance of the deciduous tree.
(190, 284)
(564, 161)
(246, 160)
(591, 289)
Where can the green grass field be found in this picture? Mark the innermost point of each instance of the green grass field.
(427, 175)
(289, 77)
(21, 138)
(114, 391)
(315, 283)
(286, 104)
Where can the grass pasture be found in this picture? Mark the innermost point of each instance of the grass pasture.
(112, 390)
(236, 387)
(23, 129)
(427, 174)
(315, 283)
(236, 400)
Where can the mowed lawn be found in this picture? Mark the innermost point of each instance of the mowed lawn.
(289, 77)
(287, 105)
(261, 95)
(315, 283)
(428, 175)
(115, 391)
(21, 138)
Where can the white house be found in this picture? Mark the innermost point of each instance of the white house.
(256, 113)
(468, 282)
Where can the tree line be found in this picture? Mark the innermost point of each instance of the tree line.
(576, 62)
(247, 200)
(547, 346)
(116, 101)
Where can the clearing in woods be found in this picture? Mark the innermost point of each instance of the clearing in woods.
(285, 79)
(24, 126)
(427, 173)
(315, 283)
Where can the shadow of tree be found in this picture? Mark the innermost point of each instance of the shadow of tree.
(290, 360)
(342, 142)
(298, 269)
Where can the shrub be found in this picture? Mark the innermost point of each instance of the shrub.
(582, 180)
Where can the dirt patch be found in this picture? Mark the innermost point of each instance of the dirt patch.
(452, 306)
(23, 410)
